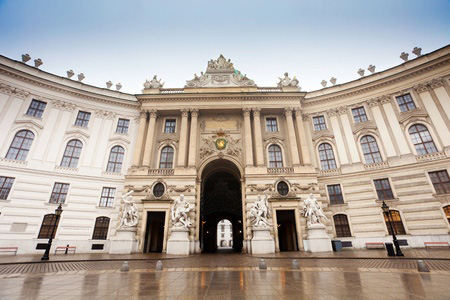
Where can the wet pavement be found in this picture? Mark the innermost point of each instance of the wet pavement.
(255, 284)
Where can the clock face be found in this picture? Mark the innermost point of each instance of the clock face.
(221, 143)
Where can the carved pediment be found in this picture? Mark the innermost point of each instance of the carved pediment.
(119, 138)
(413, 117)
(29, 123)
(322, 134)
(370, 125)
(78, 133)
(168, 140)
(273, 139)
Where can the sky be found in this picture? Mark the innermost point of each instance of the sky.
(132, 40)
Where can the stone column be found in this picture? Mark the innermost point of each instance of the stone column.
(193, 138)
(183, 138)
(248, 137)
(140, 139)
(258, 137)
(149, 139)
(292, 137)
(306, 159)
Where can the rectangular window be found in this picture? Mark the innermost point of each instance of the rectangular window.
(271, 125)
(383, 188)
(59, 193)
(83, 119)
(359, 114)
(122, 125)
(5, 186)
(405, 103)
(169, 127)
(440, 180)
(108, 195)
(36, 108)
(335, 194)
(319, 123)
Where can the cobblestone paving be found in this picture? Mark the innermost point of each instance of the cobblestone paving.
(227, 285)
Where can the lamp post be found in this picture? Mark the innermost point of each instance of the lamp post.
(386, 210)
(58, 212)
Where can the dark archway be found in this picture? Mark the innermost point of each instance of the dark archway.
(221, 199)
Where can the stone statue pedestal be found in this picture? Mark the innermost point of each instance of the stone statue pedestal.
(179, 243)
(124, 242)
(262, 241)
(318, 239)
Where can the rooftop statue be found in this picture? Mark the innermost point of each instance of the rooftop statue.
(286, 81)
(130, 215)
(180, 211)
(259, 212)
(312, 211)
(153, 84)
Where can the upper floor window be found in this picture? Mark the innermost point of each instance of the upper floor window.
(72, 154)
(59, 193)
(447, 212)
(83, 118)
(122, 125)
(275, 157)
(5, 186)
(49, 223)
(359, 114)
(36, 108)
(101, 228)
(169, 126)
(405, 103)
(422, 140)
(335, 194)
(319, 123)
(271, 125)
(166, 161)
(115, 159)
(396, 221)
(107, 198)
(341, 226)
(441, 181)
(326, 156)
(383, 188)
(20, 145)
(370, 149)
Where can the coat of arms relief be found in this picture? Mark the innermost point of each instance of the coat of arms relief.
(221, 143)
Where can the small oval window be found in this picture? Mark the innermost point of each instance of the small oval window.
(158, 189)
(282, 188)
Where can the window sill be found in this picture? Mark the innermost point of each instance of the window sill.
(387, 200)
(55, 204)
(80, 127)
(105, 207)
(114, 174)
(8, 161)
(33, 117)
(5, 200)
(122, 133)
(338, 204)
(66, 169)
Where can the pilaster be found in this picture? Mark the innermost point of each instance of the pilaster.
(258, 137)
(140, 139)
(292, 137)
(183, 138)
(153, 114)
(193, 138)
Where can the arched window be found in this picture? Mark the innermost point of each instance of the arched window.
(275, 157)
(341, 225)
(422, 139)
(326, 156)
(397, 223)
(166, 161)
(447, 212)
(115, 159)
(101, 228)
(72, 154)
(20, 145)
(48, 227)
(370, 149)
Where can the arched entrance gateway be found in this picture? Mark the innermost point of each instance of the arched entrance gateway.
(221, 198)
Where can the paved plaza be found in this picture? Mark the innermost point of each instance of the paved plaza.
(344, 275)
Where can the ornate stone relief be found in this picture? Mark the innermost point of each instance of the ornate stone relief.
(260, 187)
(435, 83)
(221, 143)
(180, 188)
(29, 124)
(8, 89)
(104, 114)
(364, 126)
(414, 117)
(63, 105)
(421, 88)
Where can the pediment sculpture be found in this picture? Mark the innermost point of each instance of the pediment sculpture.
(154, 83)
(287, 81)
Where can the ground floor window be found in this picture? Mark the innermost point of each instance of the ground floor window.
(341, 226)
(101, 228)
(397, 223)
(48, 227)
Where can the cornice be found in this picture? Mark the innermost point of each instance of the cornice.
(58, 87)
(163, 98)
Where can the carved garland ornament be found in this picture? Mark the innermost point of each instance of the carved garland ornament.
(221, 143)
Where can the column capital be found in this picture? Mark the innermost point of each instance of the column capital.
(436, 82)
(332, 112)
(288, 111)
(256, 111)
(194, 112)
(143, 114)
(298, 111)
(153, 113)
(373, 102)
(184, 112)
(246, 111)
(421, 88)
(342, 110)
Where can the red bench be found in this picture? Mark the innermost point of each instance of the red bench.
(9, 249)
(436, 244)
(375, 245)
(66, 249)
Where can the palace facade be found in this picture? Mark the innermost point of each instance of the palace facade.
(221, 141)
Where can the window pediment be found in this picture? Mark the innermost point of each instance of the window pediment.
(77, 133)
(323, 134)
(29, 124)
(119, 139)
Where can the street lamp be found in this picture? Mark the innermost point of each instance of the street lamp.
(58, 212)
(386, 210)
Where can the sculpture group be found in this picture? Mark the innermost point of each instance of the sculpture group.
(180, 211)
(312, 211)
(130, 215)
(259, 212)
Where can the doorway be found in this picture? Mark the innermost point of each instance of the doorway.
(224, 234)
(154, 232)
(287, 233)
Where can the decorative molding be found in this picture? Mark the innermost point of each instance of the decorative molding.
(180, 189)
(13, 162)
(161, 171)
(298, 187)
(373, 102)
(332, 112)
(246, 111)
(66, 170)
(221, 118)
(256, 111)
(376, 166)
(77, 133)
(184, 112)
(431, 156)
(421, 88)
(322, 134)
(260, 188)
(153, 113)
(194, 112)
(63, 105)
(329, 172)
(288, 111)
(105, 114)
(436, 83)
(414, 117)
(283, 170)
(28, 123)
(6, 89)
(119, 138)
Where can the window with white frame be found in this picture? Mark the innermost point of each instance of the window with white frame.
(72, 154)
(5, 186)
(108, 196)
(20, 145)
(422, 140)
(370, 149)
(166, 160)
(59, 192)
(359, 114)
(319, 123)
(335, 194)
(405, 103)
(326, 155)
(36, 108)
(115, 159)
(122, 126)
(170, 125)
(83, 119)
(271, 124)
(275, 157)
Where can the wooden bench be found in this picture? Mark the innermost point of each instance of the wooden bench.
(375, 245)
(436, 244)
(66, 249)
(9, 249)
